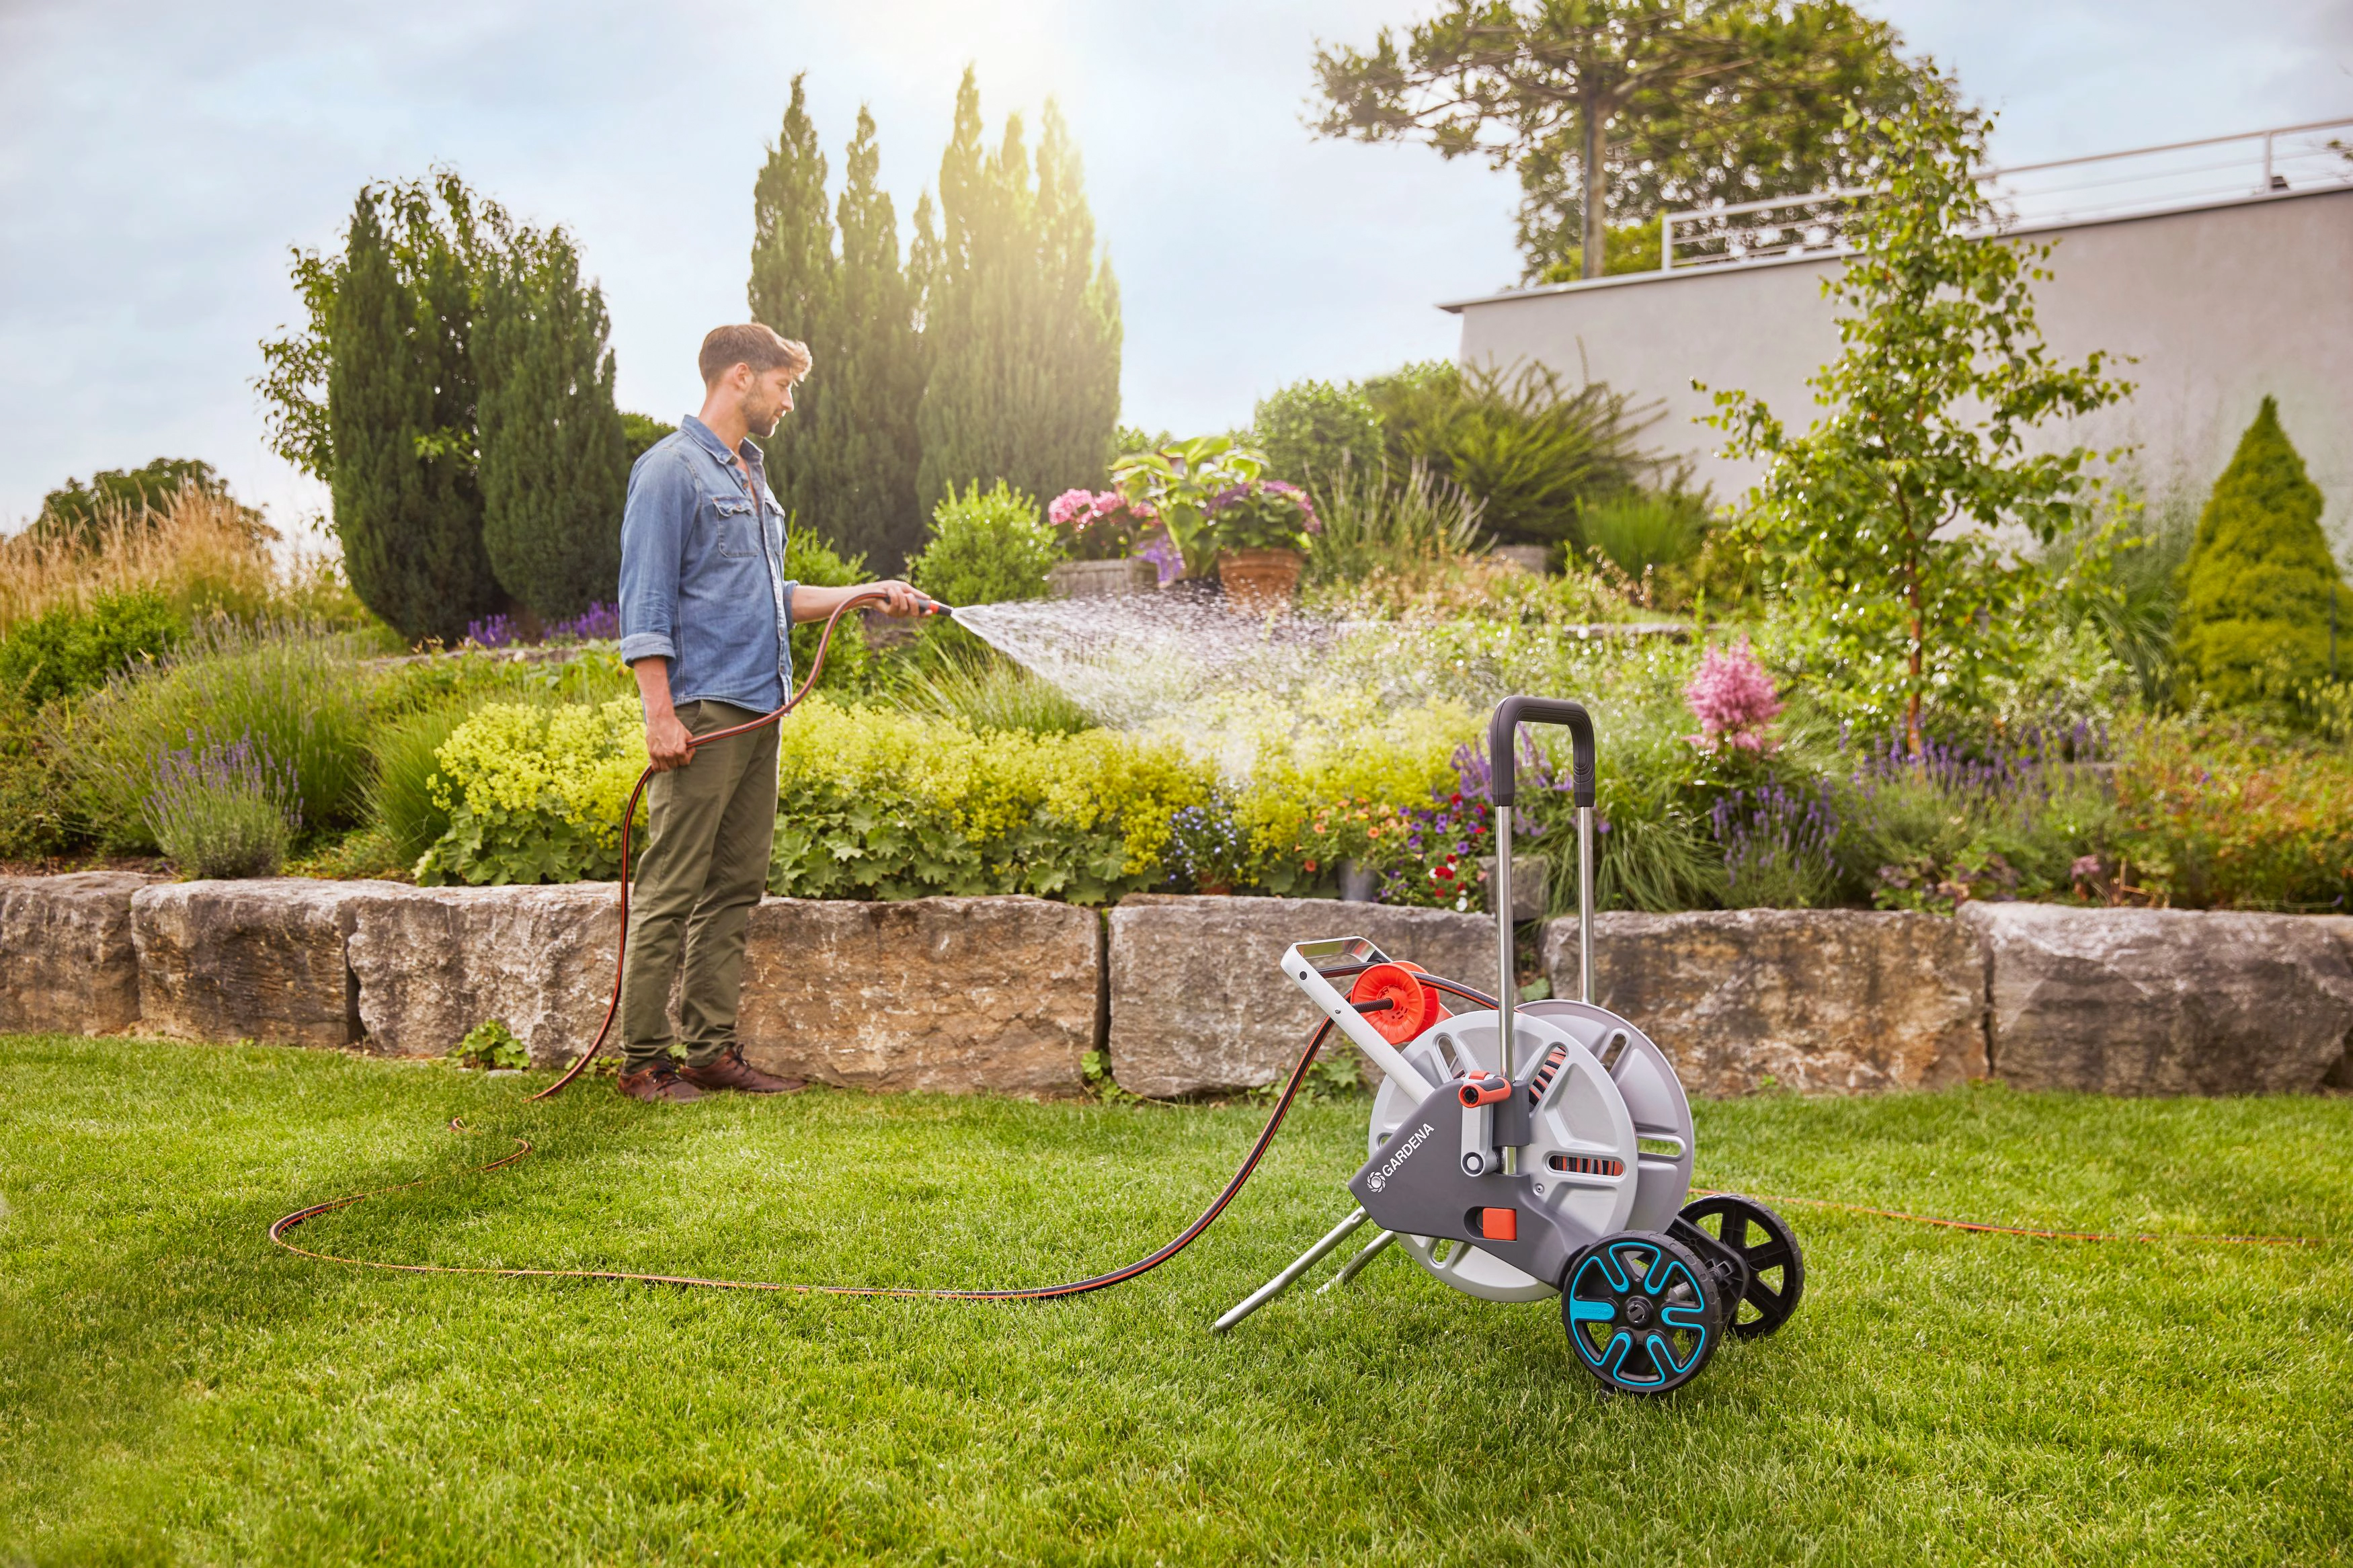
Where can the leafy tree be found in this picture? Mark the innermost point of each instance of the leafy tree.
(400, 393)
(1020, 321)
(641, 431)
(793, 290)
(1312, 432)
(80, 512)
(1614, 110)
(2254, 620)
(873, 375)
(554, 456)
(1878, 523)
(1528, 449)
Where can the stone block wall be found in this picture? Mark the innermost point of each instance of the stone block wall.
(1842, 1001)
(67, 963)
(950, 995)
(1009, 993)
(2164, 1001)
(432, 963)
(261, 960)
(1199, 1002)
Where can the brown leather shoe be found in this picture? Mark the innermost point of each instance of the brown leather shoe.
(730, 1070)
(661, 1081)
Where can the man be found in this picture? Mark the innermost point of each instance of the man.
(706, 624)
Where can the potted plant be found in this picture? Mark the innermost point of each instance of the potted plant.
(1174, 485)
(1098, 533)
(1260, 529)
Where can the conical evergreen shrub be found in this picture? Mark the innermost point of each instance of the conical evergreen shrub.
(555, 465)
(2253, 623)
(399, 415)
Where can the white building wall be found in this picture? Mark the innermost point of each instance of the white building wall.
(2218, 306)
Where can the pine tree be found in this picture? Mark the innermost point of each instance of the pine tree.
(792, 289)
(865, 434)
(1020, 325)
(2254, 617)
(554, 459)
(400, 395)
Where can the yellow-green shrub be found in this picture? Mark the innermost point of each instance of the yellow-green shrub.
(874, 803)
(1318, 794)
(534, 793)
(886, 804)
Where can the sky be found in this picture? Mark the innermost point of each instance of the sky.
(157, 161)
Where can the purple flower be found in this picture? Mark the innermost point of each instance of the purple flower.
(1163, 554)
(491, 631)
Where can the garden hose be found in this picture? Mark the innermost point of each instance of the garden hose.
(1186, 1238)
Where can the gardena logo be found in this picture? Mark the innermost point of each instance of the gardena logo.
(1380, 1178)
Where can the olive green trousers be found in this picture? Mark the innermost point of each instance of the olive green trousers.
(705, 864)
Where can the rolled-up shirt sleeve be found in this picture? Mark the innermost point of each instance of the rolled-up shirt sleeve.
(652, 540)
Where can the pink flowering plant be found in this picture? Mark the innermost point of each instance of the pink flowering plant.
(1733, 700)
(1261, 514)
(1099, 525)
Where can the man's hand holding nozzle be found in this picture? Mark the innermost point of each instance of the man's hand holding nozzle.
(899, 599)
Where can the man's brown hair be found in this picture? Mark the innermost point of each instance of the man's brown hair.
(749, 344)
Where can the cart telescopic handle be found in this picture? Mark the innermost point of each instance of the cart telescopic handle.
(1515, 712)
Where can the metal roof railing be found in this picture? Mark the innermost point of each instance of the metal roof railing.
(2135, 183)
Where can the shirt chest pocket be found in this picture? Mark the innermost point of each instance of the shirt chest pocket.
(735, 527)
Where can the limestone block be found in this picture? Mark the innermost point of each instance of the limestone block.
(432, 963)
(2164, 1001)
(956, 995)
(67, 961)
(2339, 1077)
(257, 960)
(1198, 1000)
(1838, 1000)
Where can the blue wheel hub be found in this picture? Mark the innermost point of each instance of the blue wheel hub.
(1642, 1311)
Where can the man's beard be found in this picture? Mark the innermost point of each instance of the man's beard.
(761, 419)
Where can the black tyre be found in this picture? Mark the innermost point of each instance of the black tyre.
(1777, 1264)
(1642, 1312)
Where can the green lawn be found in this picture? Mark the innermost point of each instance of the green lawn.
(172, 1387)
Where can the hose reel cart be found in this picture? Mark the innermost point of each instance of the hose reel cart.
(1519, 1151)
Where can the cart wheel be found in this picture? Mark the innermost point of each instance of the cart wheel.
(1642, 1311)
(1777, 1266)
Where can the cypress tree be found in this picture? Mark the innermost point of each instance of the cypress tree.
(865, 433)
(792, 289)
(554, 459)
(2254, 617)
(1081, 325)
(400, 396)
(1020, 326)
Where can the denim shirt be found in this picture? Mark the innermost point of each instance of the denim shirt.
(702, 572)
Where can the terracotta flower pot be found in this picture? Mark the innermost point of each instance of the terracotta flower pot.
(1260, 579)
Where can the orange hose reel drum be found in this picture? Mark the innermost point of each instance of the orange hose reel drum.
(1413, 1005)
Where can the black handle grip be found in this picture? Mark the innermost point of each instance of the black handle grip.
(1503, 731)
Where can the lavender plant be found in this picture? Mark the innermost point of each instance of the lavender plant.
(297, 696)
(1778, 845)
(2013, 818)
(223, 811)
